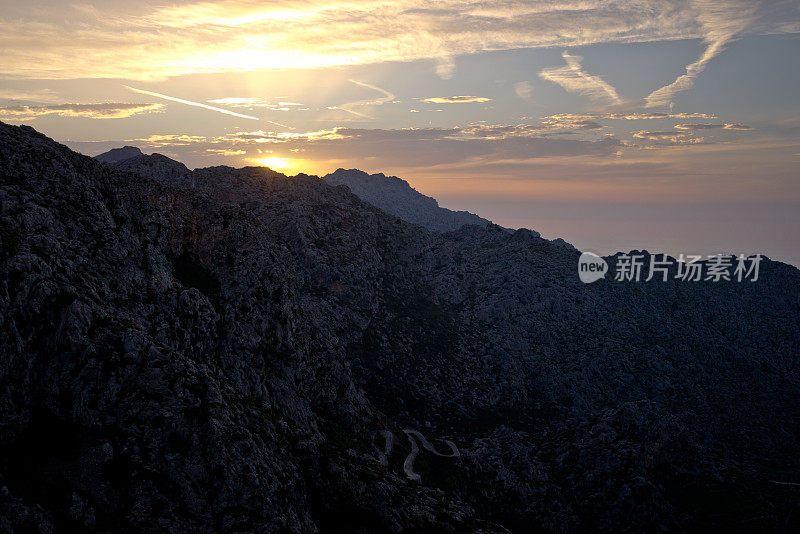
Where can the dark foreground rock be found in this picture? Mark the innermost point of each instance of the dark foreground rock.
(220, 350)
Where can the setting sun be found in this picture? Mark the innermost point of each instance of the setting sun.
(275, 163)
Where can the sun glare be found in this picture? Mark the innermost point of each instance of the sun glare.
(275, 163)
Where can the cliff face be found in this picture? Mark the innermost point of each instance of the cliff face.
(226, 349)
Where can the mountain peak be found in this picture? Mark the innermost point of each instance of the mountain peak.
(115, 155)
(396, 197)
(157, 166)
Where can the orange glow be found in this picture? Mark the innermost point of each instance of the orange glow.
(275, 163)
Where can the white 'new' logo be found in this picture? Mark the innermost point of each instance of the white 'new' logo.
(591, 267)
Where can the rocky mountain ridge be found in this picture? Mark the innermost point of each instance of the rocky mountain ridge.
(226, 350)
(390, 194)
(396, 197)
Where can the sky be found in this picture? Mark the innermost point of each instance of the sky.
(665, 125)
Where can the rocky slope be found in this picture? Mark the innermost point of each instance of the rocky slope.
(396, 197)
(229, 350)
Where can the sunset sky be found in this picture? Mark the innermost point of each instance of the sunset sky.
(667, 125)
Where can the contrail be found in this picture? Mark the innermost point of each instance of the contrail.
(356, 113)
(196, 104)
(277, 124)
(574, 79)
(721, 22)
(388, 97)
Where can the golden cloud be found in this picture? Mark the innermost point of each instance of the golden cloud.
(105, 110)
(456, 99)
(155, 41)
(256, 102)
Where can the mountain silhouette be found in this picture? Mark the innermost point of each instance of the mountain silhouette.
(116, 155)
(396, 197)
(229, 349)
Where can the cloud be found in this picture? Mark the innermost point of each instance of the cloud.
(190, 103)
(706, 126)
(590, 121)
(106, 110)
(720, 22)
(256, 102)
(574, 79)
(411, 147)
(226, 152)
(669, 138)
(261, 136)
(523, 89)
(441, 147)
(152, 39)
(456, 99)
(577, 123)
(158, 140)
(736, 126)
(693, 127)
(445, 67)
(40, 96)
(672, 134)
(633, 116)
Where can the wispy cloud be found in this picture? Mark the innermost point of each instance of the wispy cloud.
(106, 110)
(720, 21)
(578, 123)
(523, 89)
(590, 121)
(412, 147)
(574, 79)
(226, 152)
(737, 126)
(706, 126)
(161, 140)
(669, 138)
(190, 103)
(456, 99)
(156, 40)
(669, 134)
(256, 102)
(40, 96)
(632, 116)
(703, 126)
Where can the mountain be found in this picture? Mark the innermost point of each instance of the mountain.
(156, 166)
(235, 350)
(396, 197)
(115, 155)
(390, 194)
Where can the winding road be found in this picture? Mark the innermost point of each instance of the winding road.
(408, 465)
